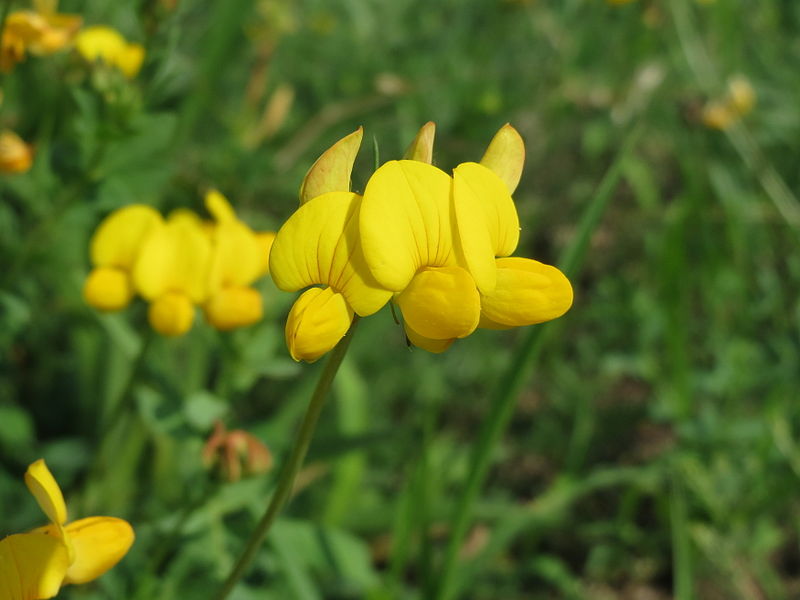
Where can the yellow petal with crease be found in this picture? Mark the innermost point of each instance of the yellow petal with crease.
(43, 486)
(317, 321)
(319, 244)
(420, 341)
(499, 212)
(421, 149)
(527, 292)
(441, 303)
(405, 222)
(99, 543)
(32, 566)
(119, 237)
(505, 156)
(331, 172)
(174, 258)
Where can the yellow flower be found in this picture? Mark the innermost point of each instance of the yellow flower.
(114, 249)
(319, 245)
(440, 242)
(171, 271)
(739, 100)
(35, 565)
(41, 32)
(15, 155)
(105, 44)
(239, 257)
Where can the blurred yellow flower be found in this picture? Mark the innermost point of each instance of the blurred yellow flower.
(41, 31)
(35, 565)
(105, 44)
(739, 100)
(15, 155)
(114, 249)
(319, 245)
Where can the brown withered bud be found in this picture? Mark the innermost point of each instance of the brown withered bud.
(235, 454)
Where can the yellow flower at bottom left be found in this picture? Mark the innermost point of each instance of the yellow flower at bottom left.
(35, 565)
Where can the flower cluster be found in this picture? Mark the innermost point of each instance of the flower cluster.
(44, 31)
(178, 263)
(36, 564)
(439, 246)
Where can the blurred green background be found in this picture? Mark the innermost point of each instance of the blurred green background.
(653, 453)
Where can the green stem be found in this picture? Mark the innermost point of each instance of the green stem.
(292, 466)
(505, 396)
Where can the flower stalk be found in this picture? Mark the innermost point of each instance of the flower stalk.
(285, 485)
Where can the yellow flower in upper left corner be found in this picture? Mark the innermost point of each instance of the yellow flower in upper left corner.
(106, 44)
(15, 155)
(35, 565)
(41, 31)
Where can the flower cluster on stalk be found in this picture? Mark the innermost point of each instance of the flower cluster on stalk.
(37, 564)
(178, 263)
(437, 245)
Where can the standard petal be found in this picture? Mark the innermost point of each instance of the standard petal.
(405, 222)
(434, 346)
(421, 149)
(441, 303)
(505, 156)
(99, 543)
(237, 256)
(500, 214)
(117, 240)
(234, 307)
(32, 566)
(317, 321)
(43, 486)
(527, 292)
(319, 244)
(174, 258)
(331, 172)
(108, 289)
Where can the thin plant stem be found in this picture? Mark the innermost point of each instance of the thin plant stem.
(505, 396)
(291, 467)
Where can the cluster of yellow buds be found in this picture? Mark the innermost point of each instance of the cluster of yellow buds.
(36, 564)
(738, 101)
(43, 31)
(236, 453)
(437, 245)
(178, 263)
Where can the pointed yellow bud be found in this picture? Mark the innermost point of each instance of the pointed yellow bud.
(317, 321)
(331, 172)
(171, 314)
(108, 289)
(421, 149)
(505, 155)
(233, 307)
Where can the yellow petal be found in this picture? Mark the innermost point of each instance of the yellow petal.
(317, 321)
(32, 566)
(171, 314)
(236, 258)
(219, 207)
(15, 155)
(44, 488)
(319, 244)
(130, 60)
(264, 240)
(505, 155)
(405, 222)
(234, 307)
(441, 303)
(431, 345)
(331, 172)
(99, 543)
(117, 240)
(421, 149)
(100, 42)
(174, 258)
(527, 292)
(107, 289)
(500, 214)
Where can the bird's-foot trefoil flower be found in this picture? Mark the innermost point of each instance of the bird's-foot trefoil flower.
(41, 31)
(320, 245)
(100, 43)
(35, 565)
(15, 155)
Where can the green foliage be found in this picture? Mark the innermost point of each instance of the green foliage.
(652, 453)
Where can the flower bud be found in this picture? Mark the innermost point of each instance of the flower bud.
(236, 453)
